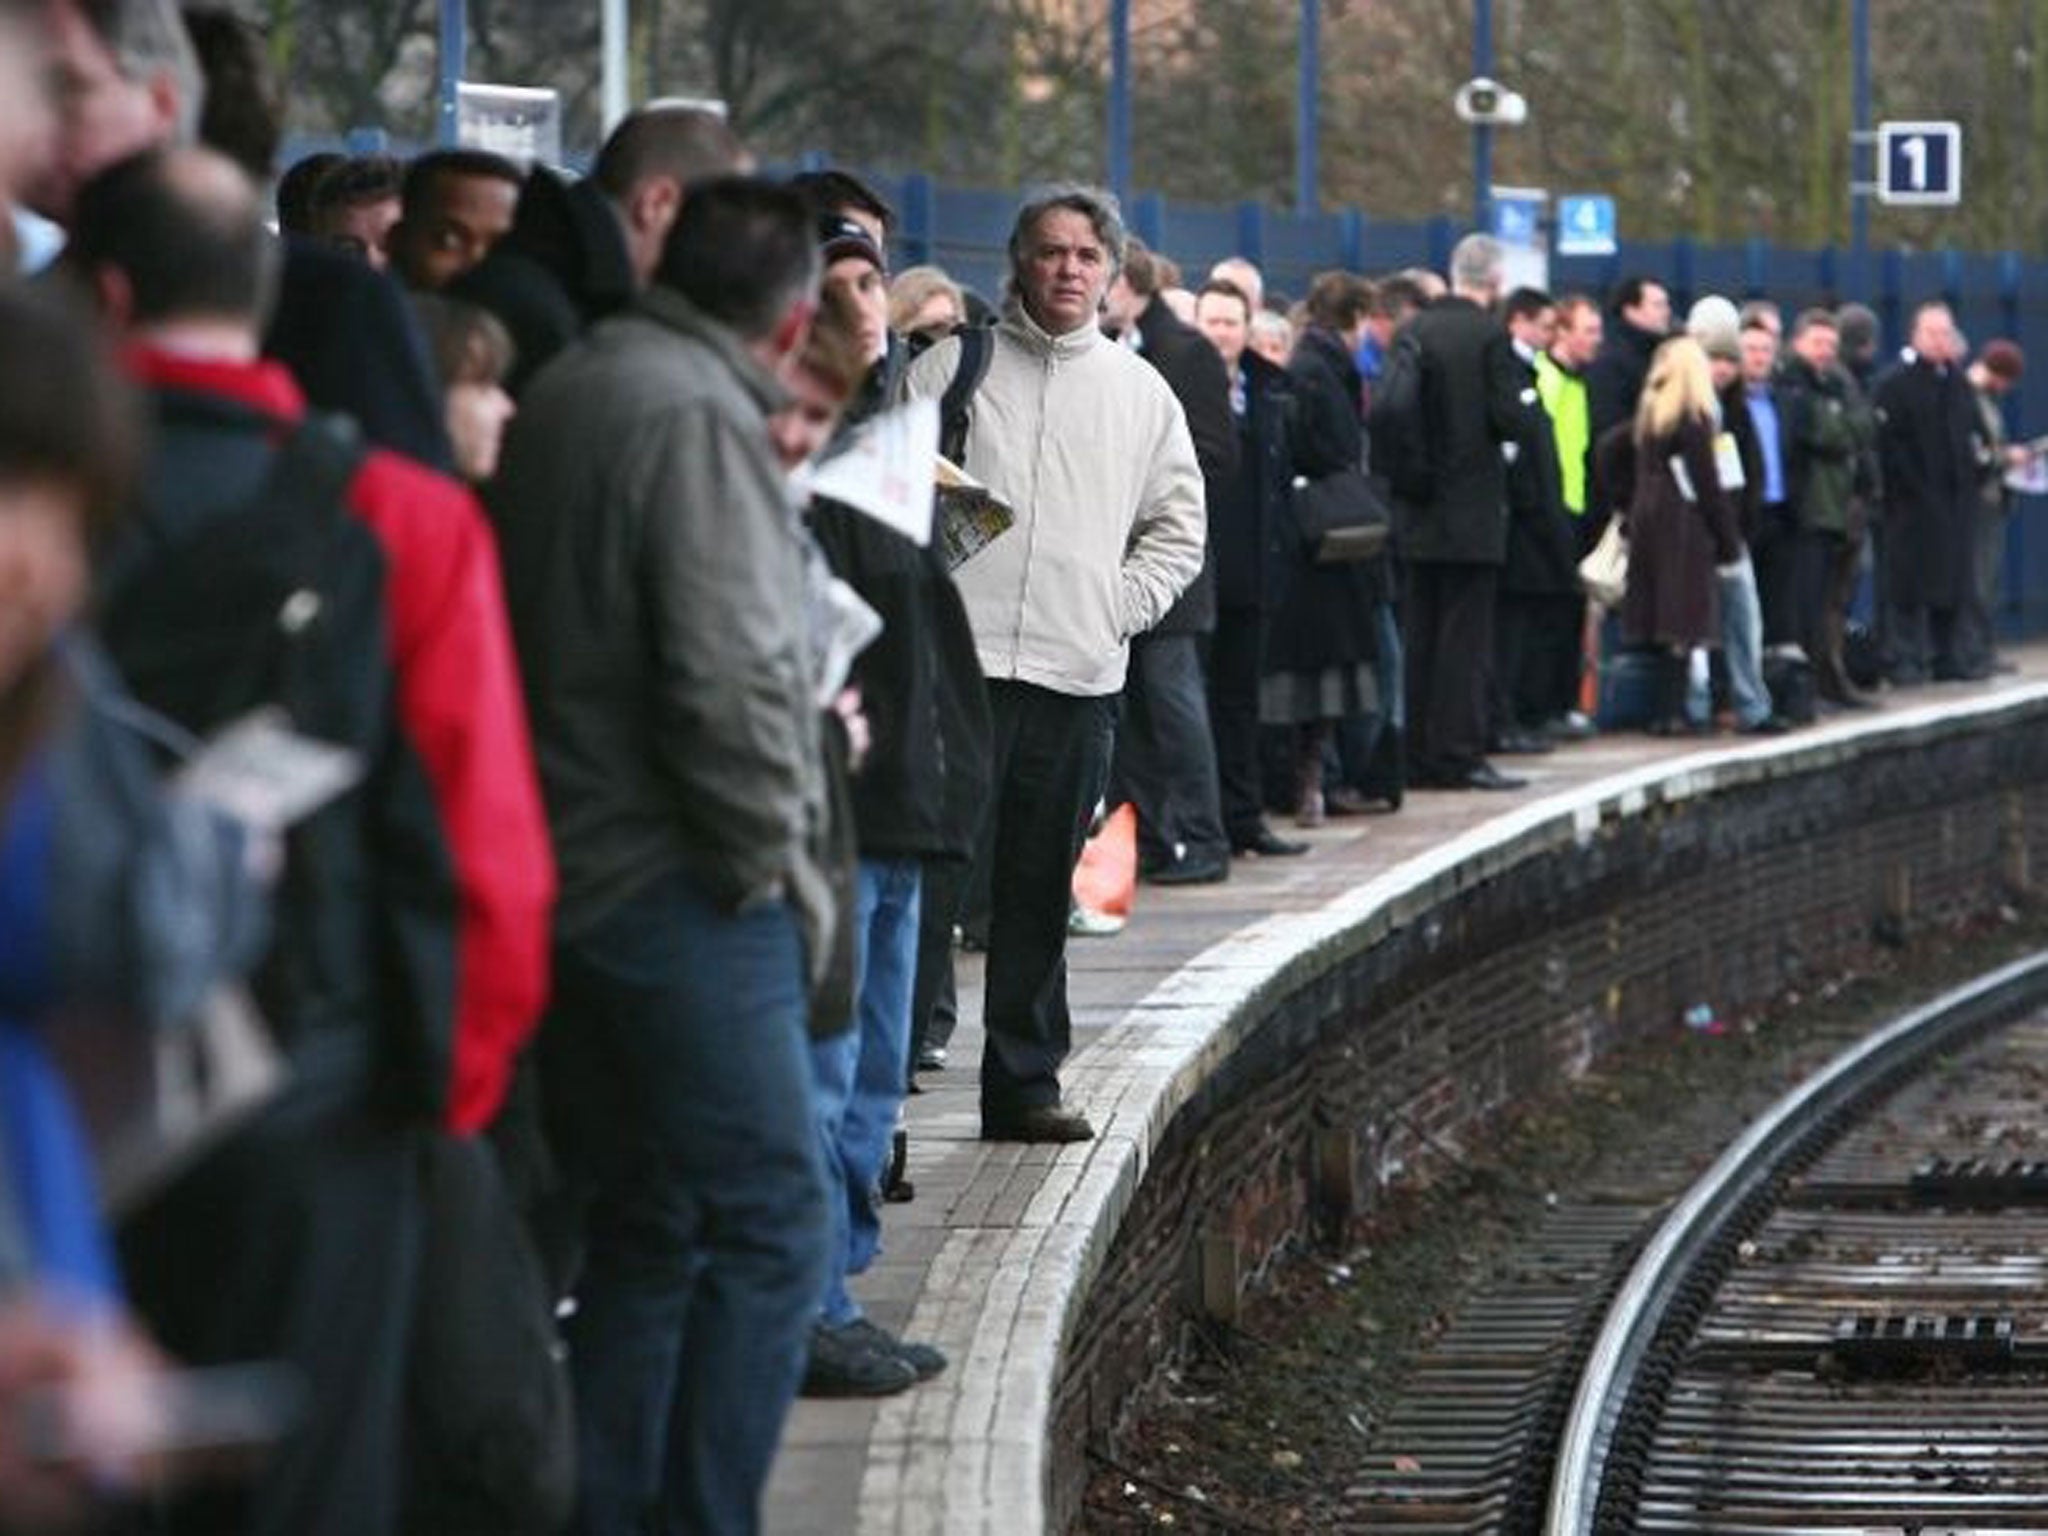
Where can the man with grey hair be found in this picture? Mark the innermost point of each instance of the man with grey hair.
(1428, 283)
(127, 79)
(1928, 452)
(1087, 443)
(1476, 399)
(1248, 278)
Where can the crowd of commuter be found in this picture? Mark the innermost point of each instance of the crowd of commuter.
(423, 661)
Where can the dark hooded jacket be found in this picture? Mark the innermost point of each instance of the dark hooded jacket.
(562, 267)
(1193, 370)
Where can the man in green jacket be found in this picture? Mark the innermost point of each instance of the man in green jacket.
(1561, 383)
(1830, 431)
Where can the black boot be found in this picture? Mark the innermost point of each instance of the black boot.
(1668, 717)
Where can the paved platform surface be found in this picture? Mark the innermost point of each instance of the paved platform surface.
(999, 1236)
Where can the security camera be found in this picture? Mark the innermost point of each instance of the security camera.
(1488, 101)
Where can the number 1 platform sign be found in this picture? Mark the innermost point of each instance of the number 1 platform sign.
(1920, 164)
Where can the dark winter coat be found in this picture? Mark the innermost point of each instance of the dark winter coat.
(1318, 616)
(1472, 399)
(1614, 382)
(1927, 419)
(1829, 428)
(349, 338)
(921, 790)
(1255, 497)
(1543, 541)
(1739, 424)
(1674, 541)
(1194, 371)
(562, 267)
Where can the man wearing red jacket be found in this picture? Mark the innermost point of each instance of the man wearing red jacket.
(459, 702)
(443, 920)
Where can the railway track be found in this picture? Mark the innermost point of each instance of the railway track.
(1842, 1326)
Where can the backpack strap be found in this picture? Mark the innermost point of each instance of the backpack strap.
(977, 349)
(315, 465)
(311, 475)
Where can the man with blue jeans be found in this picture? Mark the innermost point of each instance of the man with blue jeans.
(706, 1200)
(655, 571)
(860, 1081)
(1742, 649)
(915, 795)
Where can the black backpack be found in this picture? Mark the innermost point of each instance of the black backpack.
(1398, 423)
(211, 613)
(956, 405)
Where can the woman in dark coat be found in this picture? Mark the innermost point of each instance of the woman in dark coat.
(1681, 524)
(1319, 638)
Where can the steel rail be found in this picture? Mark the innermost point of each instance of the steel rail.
(1700, 1219)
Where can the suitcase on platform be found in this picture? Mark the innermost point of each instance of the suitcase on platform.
(1788, 677)
(1628, 690)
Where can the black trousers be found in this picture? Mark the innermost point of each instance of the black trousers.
(1550, 682)
(935, 1002)
(1234, 720)
(1776, 554)
(1535, 658)
(297, 1239)
(1165, 755)
(1051, 763)
(1449, 646)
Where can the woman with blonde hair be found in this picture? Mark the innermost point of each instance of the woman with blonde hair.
(1680, 519)
(925, 305)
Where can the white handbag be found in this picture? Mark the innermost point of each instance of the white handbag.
(1604, 573)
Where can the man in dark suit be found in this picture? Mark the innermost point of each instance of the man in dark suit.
(1536, 625)
(1926, 442)
(1456, 539)
(1240, 517)
(1642, 319)
(1165, 757)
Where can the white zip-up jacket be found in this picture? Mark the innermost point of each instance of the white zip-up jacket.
(1088, 445)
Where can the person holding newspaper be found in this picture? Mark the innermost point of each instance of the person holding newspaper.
(1088, 445)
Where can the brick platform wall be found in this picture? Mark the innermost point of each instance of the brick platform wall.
(1505, 987)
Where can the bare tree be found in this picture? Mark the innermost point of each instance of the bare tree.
(1704, 118)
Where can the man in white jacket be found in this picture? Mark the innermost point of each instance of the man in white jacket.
(1086, 442)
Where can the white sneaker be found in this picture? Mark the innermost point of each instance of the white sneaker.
(1085, 923)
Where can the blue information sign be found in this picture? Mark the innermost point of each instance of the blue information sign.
(1518, 216)
(1585, 226)
(1920, 163)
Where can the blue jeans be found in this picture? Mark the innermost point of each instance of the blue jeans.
(860, 1073)
(1742, 644)
(1387, 666)
(676, 1065)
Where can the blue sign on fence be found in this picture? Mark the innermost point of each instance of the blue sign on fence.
(1518, 216)
(1585, 226)
(1920, 163)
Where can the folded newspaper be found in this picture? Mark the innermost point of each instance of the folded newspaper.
(883, 469)
(151, 1113)
(970, 516)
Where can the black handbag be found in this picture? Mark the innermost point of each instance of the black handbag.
(1342, 517)
(490, 1404)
